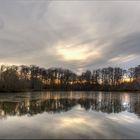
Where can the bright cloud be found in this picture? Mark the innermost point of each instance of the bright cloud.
(76, 53)
(94, 34)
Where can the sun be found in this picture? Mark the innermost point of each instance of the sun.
(126, 79)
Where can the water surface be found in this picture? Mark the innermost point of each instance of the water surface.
(70, 115)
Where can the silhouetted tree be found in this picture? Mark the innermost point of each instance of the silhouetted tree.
(23, 78)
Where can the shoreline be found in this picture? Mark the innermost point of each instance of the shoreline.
(130, 91)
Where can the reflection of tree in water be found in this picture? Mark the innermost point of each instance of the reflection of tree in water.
(104, 102)
(135, 105)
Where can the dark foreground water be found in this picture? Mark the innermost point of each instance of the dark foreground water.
(70, 115)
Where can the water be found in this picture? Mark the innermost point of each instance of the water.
(70, 115)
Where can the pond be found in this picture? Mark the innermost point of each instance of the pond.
(72, 115)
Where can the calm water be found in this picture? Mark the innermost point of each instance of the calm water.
(70, 115)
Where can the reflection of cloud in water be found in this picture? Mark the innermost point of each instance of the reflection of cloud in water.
(70, 115)
(72, 124)
(66, 122)
(124, 117)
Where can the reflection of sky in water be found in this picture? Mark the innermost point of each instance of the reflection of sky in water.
(74, 123)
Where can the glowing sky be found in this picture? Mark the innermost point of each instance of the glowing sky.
(77, 35)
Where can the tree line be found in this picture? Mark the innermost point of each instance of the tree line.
(25, 78)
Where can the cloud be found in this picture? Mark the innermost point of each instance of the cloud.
(122, 58)
(71, 34)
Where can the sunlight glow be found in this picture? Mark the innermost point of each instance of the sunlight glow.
(77, 53)
(9, 63)
(126, 79)
(125, 100)
(68, 121)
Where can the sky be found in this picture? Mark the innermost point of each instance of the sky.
(77, 35)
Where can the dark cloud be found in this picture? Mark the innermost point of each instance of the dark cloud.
(47, 32)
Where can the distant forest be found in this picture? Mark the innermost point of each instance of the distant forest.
(33, 78)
